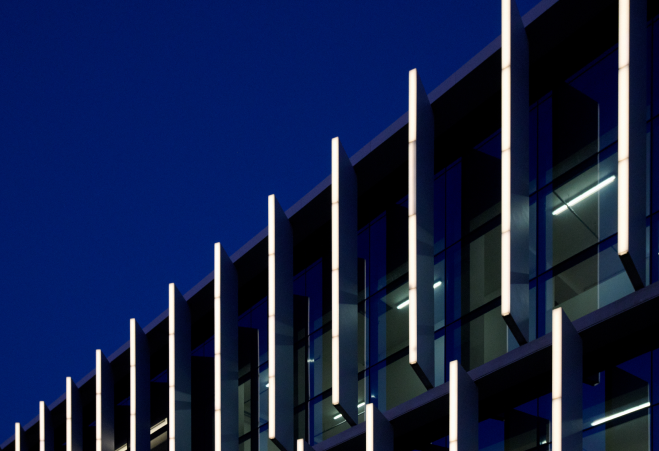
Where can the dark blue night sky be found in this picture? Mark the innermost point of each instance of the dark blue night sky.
(134, 135)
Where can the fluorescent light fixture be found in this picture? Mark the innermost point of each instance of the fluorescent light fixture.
(335, 271)
(437, 284)
(336, 417)
(171, 376)
(17, 436)
(159, 426)
(361, 404)
(506, 163)
(403, 304)
(133, 385)
(69, 420)
(584, 195)
(624, 43)
(267, 385)
(272, 365)
(621, 414)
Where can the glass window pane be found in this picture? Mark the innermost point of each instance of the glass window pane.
(324, 420)
(439, 213)
(320, 361)
(393, 382)
(389, 322)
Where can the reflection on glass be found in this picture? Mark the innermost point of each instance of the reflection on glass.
(389, 324)
(320, 361)
(393, 382)
(324, 420)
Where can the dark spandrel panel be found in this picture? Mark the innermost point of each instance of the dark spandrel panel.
(439, 289)
(533, 310)
(453, 204)
(478, 339)
(317, 307)
(655, 69)
(545, 144)
(324, 420)
(491, 146)
(393, 381)
(300, 371)
(260, 322)
(363, 245)
(533, 237)
(600, 83)
(319, 361)
(377, 258)
(389, 322)
(533, 150)
(654, 248)
(440, 213)
(655, 166)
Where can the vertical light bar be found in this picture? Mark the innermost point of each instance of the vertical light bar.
(280, 327)
(46, 434)
(379, 433)
(514, 172)
(73, 417)
(104, 404)
(19, 439)
(421, 170)
(140, 389)
(301, 445)
(225, 328)
(463, 410)
(344, 284)
(566, 384)
(180, 366)
(631, 138)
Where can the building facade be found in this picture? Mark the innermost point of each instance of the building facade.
(481, 275)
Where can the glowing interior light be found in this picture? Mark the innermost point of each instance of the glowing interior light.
(336, 417)
(361, 404)
(621, 414)
(624, 41)
(267, 385)
(123, 447)
(584, 195)
(403, 304)
(437, 284)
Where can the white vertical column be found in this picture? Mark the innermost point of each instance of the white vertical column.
(631, 137)
(225, 325)
(73, 417)
(180, 369)
(379, 433)
(280, 326)
(46, 433)
(566, 388)
(140, 389)
(463, 410)
(514, 172)
(421, 172)
(344, 284)
(19, 438)
(104, 404)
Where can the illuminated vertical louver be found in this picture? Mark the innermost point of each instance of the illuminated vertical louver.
(104, 382)
(344, 284)
(19, 438)
(73, 417)
(379, 433)
(280, 327)
(463, 410)
(631, 137)
(225, 332)
(46, 433)
(514, 172)
(179, 372)
(566, 385)
(421, 172)
(140, 389)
